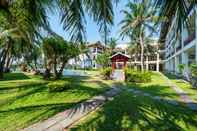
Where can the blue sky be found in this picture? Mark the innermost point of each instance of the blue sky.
(91, 28)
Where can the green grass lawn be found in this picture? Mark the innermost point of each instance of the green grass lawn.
(128, 112)
(157, 87)
(25, 99)
(186, 86)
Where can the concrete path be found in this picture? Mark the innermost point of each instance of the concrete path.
(118, 75)
(65, 119)
(183, 95)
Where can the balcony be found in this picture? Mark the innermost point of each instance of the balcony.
(190, 39)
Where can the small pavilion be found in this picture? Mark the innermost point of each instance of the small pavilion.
(119, 61)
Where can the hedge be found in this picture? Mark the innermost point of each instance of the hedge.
(136, 76)
(58, 86)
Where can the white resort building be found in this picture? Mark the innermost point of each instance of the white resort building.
(88, 60)
(153, 60)
(181, 48)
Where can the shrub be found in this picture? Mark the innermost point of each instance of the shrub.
(106, 73)
(181, 67)
(193, 76)
(136, 76)
(193, 69)
(59, 86)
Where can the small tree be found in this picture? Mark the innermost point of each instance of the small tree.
(57, 53)
(103, 59)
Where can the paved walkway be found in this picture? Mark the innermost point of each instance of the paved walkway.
(65, 119)
(118, 75)
(183, 95)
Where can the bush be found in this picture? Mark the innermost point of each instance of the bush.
(132, 75)
(106, 73)
(193, 79)
(59, 86)
(181, 67)
(193, 69)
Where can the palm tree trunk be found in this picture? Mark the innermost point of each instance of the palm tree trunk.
(47, 73)
(7, 65)
(3, 59)
(142, 53)
(61, 69)
(55, 68)
(105, 32)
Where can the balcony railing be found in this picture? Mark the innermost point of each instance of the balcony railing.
(190, 39)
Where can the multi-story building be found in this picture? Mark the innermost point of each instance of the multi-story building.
(181, 48)
(152, 61)
(88, 60)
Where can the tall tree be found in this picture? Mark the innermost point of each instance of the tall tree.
(170, 8)
(29, 16)
(112, 45)
(138, 20)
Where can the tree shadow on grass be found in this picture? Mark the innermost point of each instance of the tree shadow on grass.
(170, 76)
(15, 76)
(21, 86)
(130, 112)
(25, 92)
(156, 90)
(28, 115)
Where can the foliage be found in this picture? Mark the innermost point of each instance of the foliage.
(22, 21)
(103, 59)
(139, 24)
(136, 76)
(58, 86)
(57, 52)
(172, 8)
(193, 68)
(181, 67)
(33, 57)
(112, 45)
(106, 72)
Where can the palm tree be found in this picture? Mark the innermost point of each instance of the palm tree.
(170, 8)
(138, 19)
(112, 45)
(28, 17)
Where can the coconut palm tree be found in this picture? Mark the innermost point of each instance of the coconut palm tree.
(29, 17)
(138, 20)
(170, 8)
(112, 45)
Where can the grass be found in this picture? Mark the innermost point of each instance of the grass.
(128, 112)
(157, 87)
(184, 85)
(25, 99)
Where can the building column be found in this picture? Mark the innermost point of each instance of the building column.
(147, 64)
(157, 64)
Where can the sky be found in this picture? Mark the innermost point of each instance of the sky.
(91, 28)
